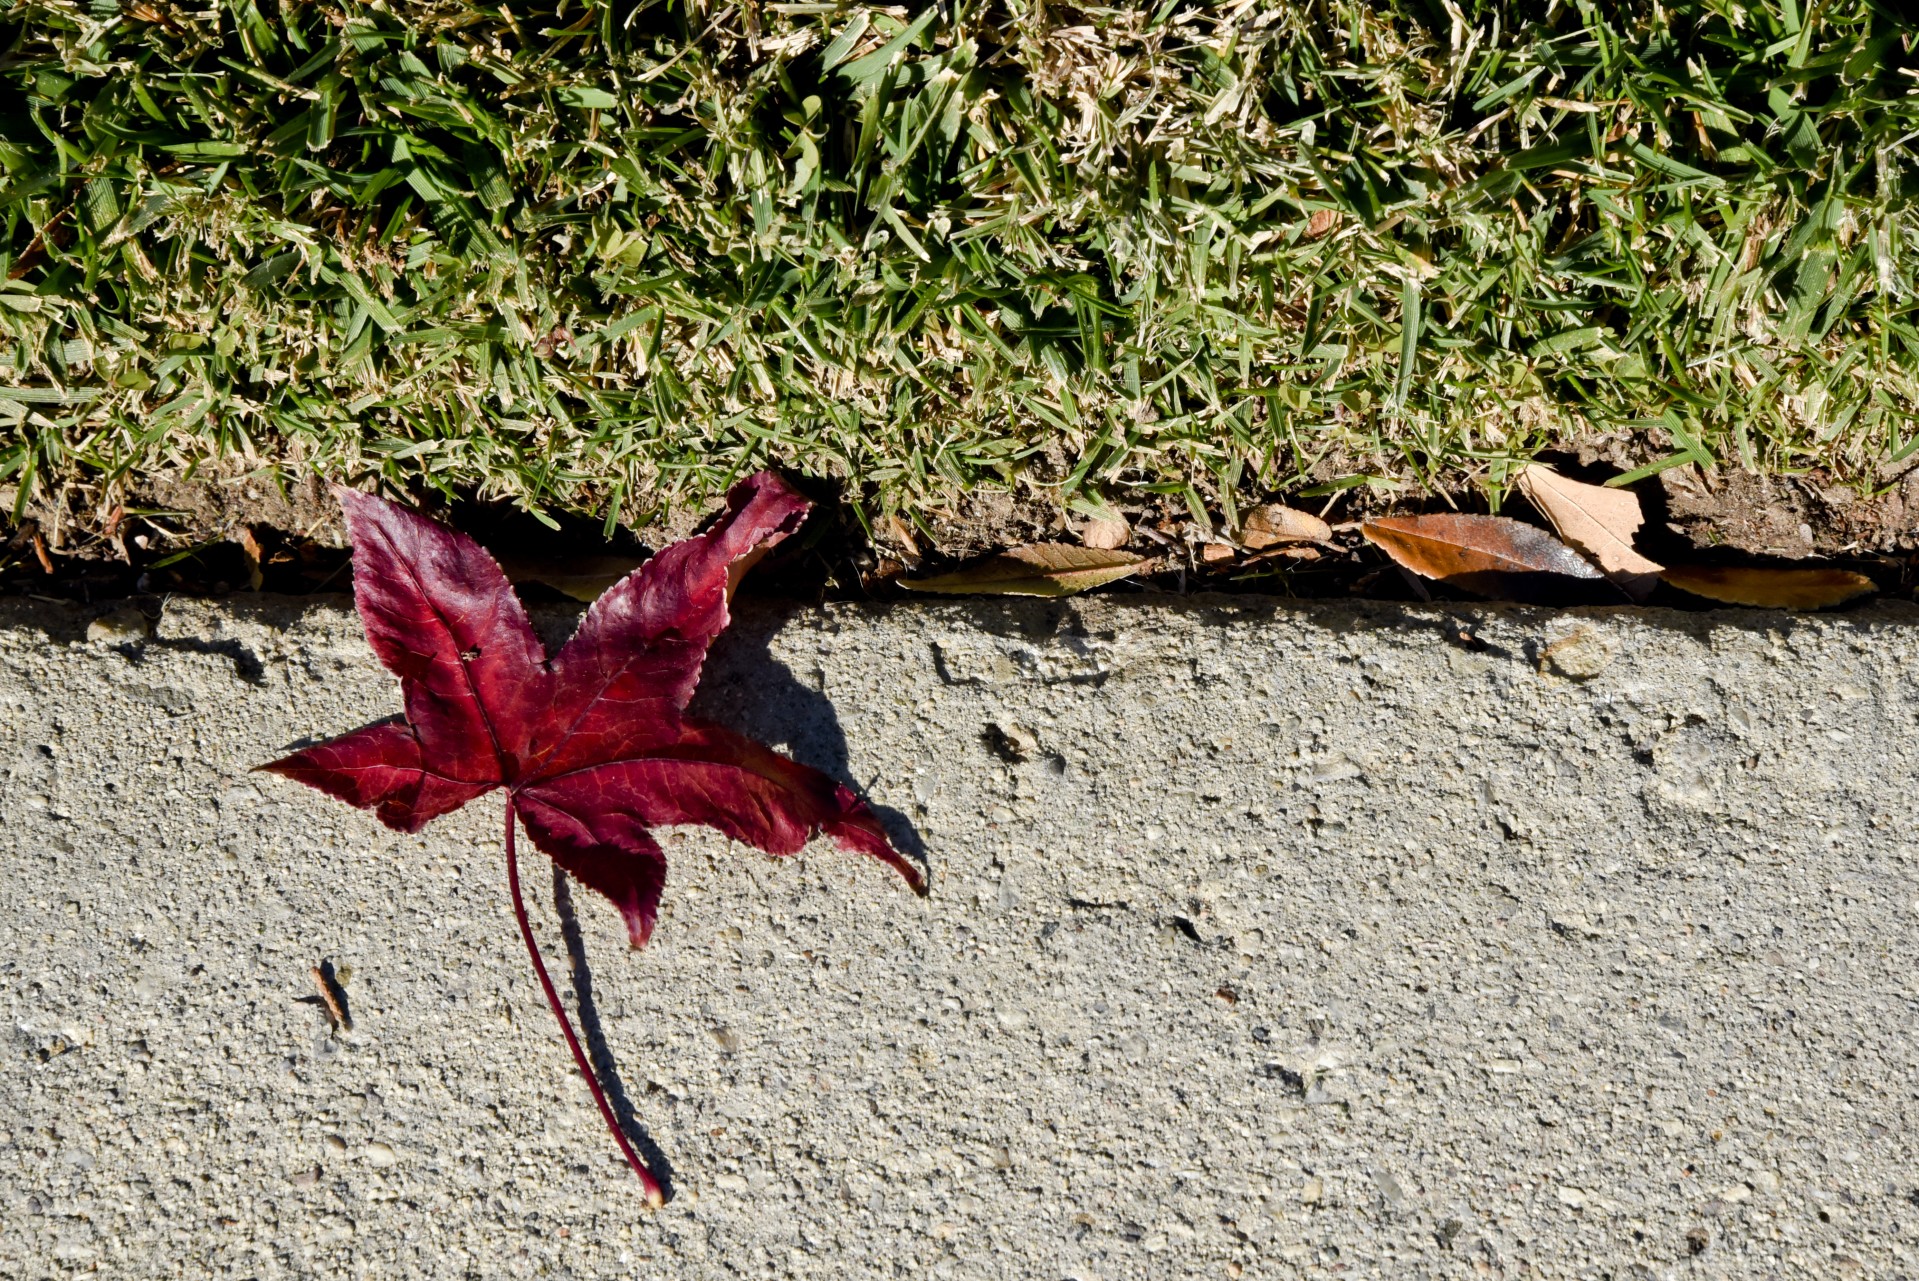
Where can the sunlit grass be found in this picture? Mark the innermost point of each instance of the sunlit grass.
(606, 258)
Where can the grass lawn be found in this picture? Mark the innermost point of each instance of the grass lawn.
(602, 258)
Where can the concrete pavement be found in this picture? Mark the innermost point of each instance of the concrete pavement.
(1265, 940)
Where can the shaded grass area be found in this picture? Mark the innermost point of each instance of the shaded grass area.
(604, 258)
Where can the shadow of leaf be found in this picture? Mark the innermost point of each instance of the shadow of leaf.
(595, 1035)
(747, 689)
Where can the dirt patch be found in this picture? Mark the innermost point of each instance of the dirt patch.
(214, 505)
(1789, 516)
(981, 522)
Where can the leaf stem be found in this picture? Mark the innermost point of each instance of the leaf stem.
(655, 1196)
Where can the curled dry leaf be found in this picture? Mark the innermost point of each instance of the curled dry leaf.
(1037, 569)
(1767, 587)
(1106, 535)
(1485, 555)
(252, 553)
(1598, 521)
(1272, 524)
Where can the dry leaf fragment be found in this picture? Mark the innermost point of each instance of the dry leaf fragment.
(1106, 535)
(1765, 587)
(1485, 555)
(1598, 521)
(1215, 553)
(1037, 569)
(1273, 523)
(1298, 552)
(902, 535)
(252, 554)
(115, 534)
(330, 998)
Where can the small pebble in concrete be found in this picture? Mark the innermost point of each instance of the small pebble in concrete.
(1579, 654)
(124, 626)
(1011, 741)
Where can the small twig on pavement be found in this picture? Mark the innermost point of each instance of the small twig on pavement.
(330, 999)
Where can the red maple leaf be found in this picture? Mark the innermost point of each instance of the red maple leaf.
(593, 745)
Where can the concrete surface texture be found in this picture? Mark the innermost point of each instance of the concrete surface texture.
(1265, 940)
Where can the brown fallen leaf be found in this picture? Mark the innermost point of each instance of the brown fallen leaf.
(1215, 553)
(1286, 553)
(1766, 587)
(902, 535)
(1272, 524)
(581, 577)
(1106, 535)
(116, 534)
(1598, 521)
(1038, 569)
(1485, 555)
(251, 553)
(40, 553)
